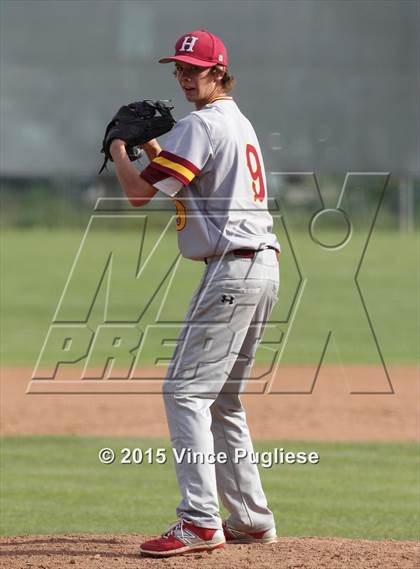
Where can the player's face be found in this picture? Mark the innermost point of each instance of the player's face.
(199, 84)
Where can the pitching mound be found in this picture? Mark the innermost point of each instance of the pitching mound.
(83, 551)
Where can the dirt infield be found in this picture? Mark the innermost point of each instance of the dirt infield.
(90, 551)
(330, 413)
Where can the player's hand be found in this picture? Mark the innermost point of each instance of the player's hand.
(150, 144)
(152, 148)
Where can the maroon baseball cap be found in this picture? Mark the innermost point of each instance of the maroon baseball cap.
(199, 47)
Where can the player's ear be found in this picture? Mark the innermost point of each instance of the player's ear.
(218, 72)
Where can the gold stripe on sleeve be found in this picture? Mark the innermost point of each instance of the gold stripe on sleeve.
(174, 166)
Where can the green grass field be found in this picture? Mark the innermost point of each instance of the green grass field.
(57, 485)
(36, 265)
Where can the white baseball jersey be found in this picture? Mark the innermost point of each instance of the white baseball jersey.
(211, 165)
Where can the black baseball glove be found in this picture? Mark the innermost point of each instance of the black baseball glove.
(136, 124)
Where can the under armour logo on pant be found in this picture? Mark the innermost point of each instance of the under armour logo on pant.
(227, 298)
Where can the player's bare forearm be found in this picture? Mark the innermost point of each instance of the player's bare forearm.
(138, 191)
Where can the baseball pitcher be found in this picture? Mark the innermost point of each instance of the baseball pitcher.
(211, 166)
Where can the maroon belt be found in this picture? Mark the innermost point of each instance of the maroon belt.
(247, 253)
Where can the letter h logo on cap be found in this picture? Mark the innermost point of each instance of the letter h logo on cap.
(199, 47)
(188, 43)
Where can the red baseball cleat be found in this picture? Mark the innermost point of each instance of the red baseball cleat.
(183, 537)
(233, 535)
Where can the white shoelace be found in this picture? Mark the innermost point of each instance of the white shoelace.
(179, 524)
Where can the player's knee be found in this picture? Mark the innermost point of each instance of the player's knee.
(172, 394)
(226, 405)
(168, 390)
